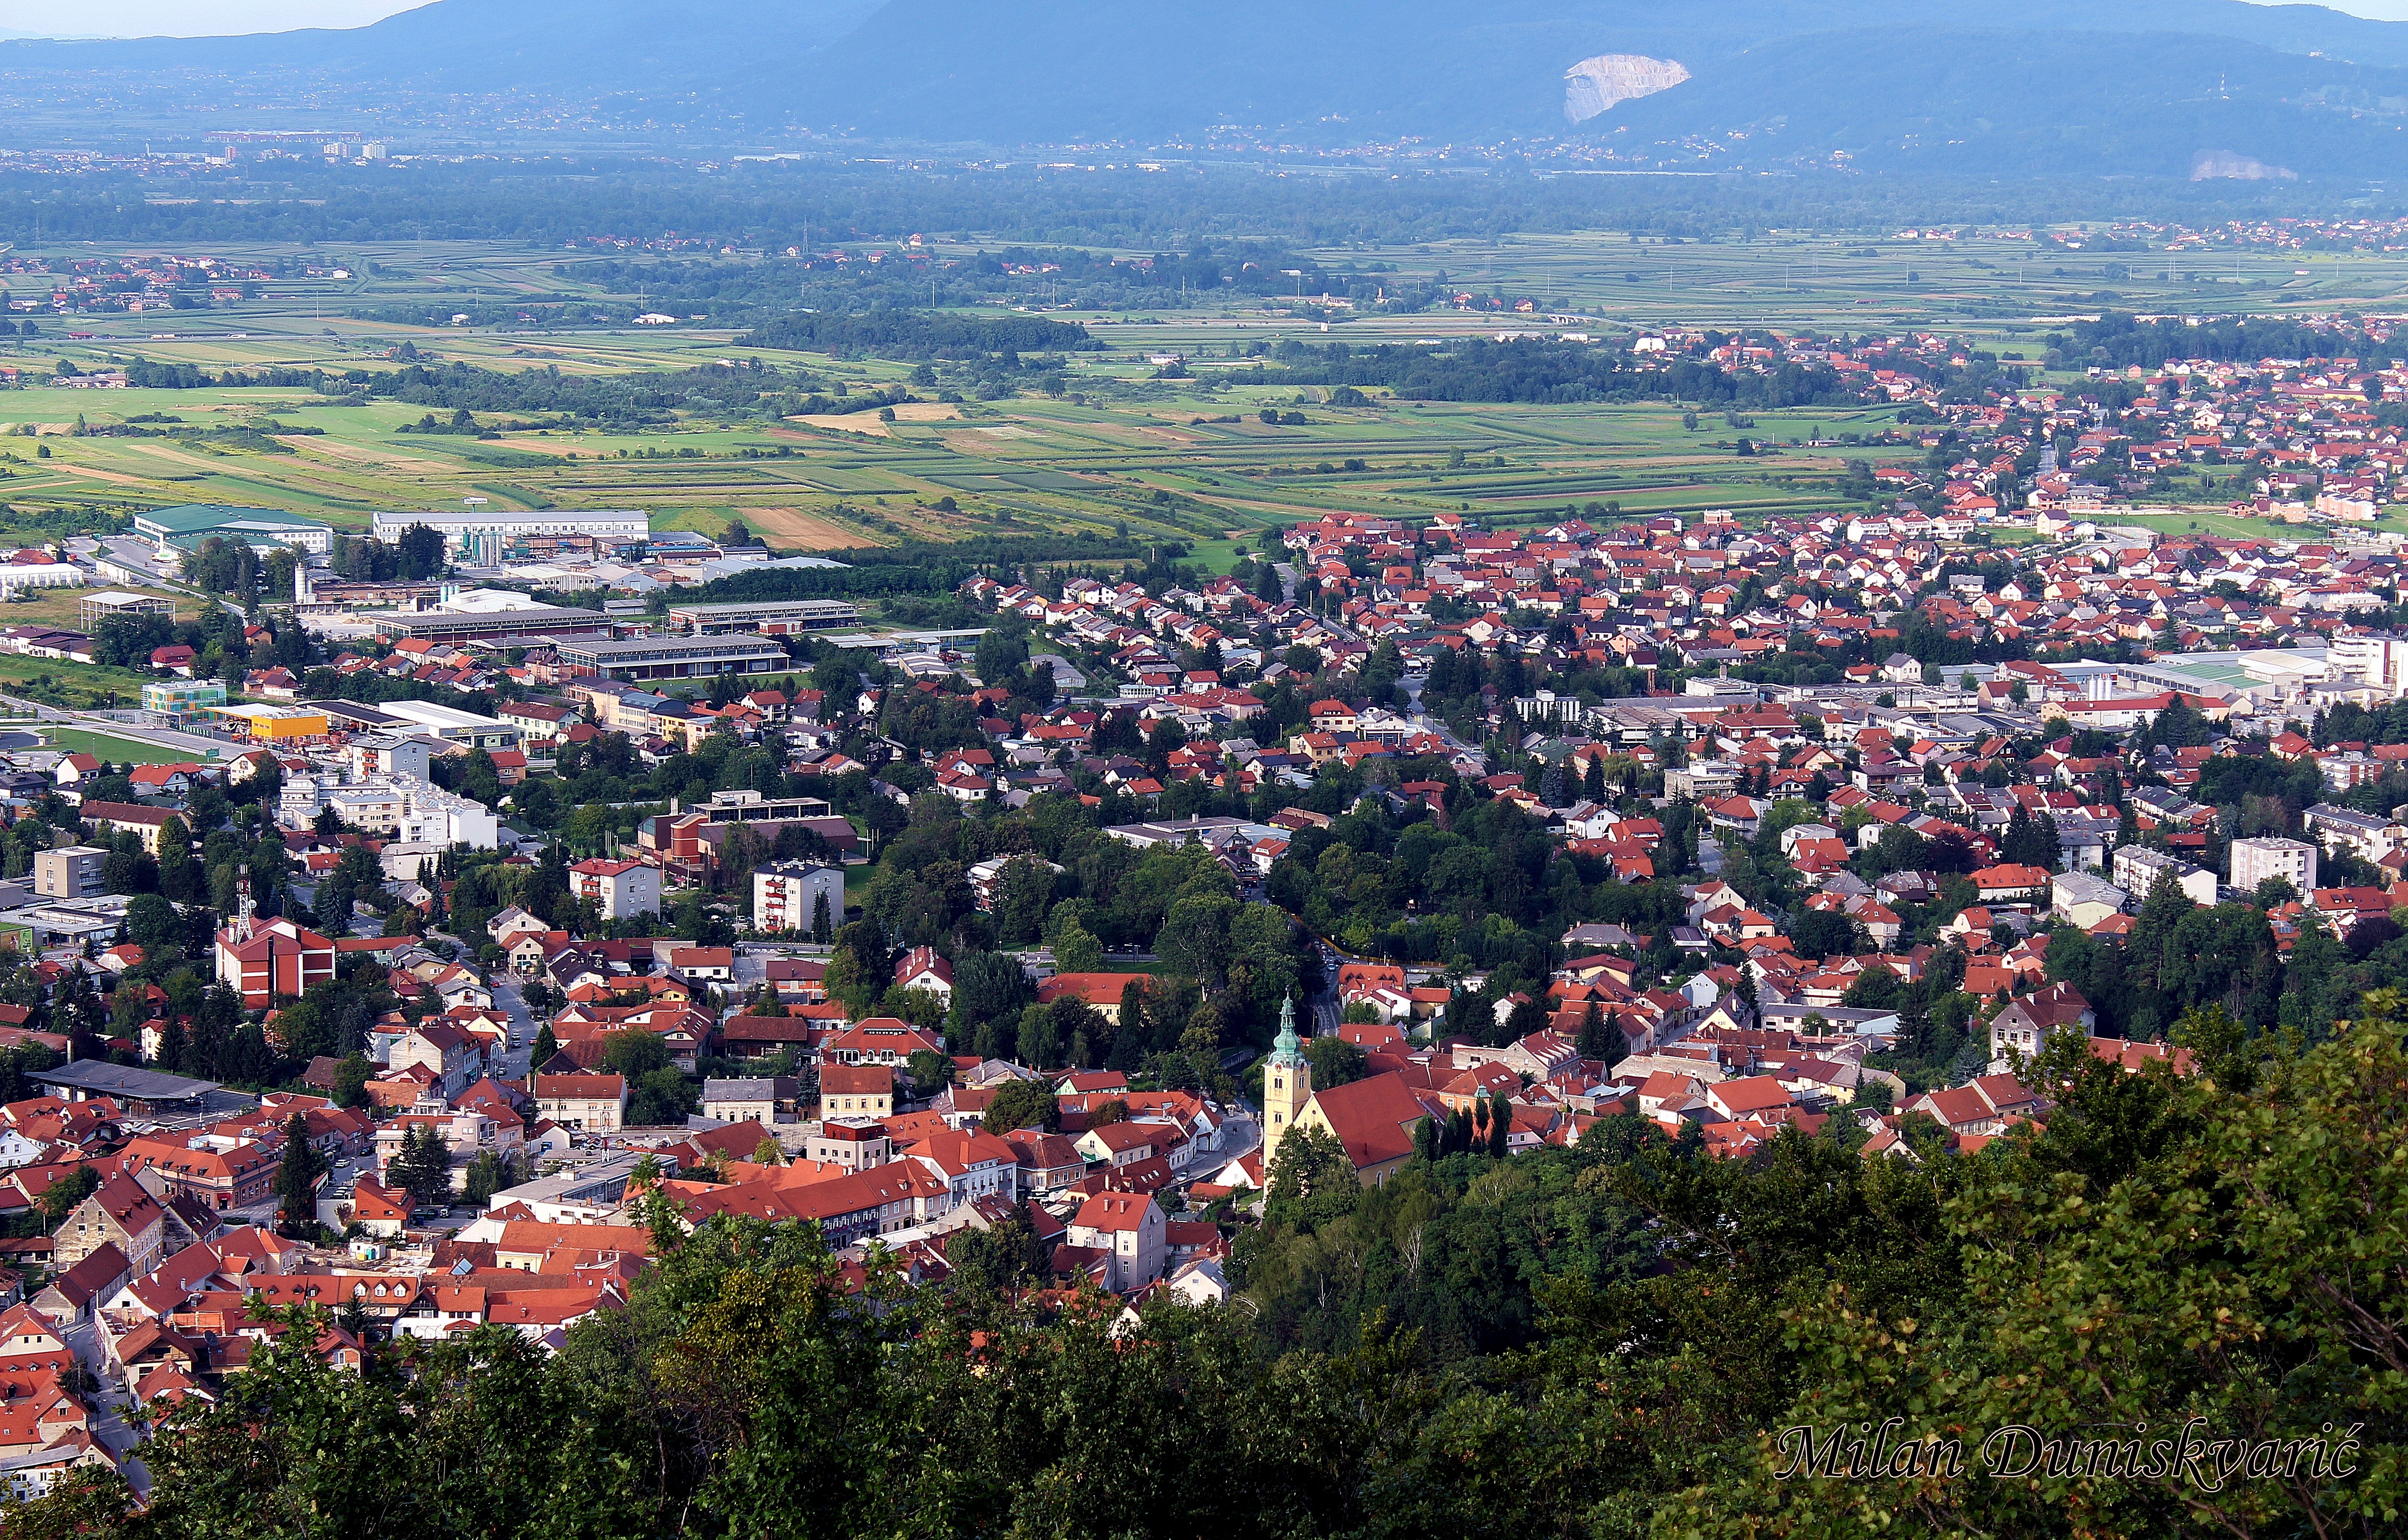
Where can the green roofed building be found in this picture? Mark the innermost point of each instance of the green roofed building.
(186, 526)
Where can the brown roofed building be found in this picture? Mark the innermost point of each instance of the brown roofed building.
(1126, 1227)
(597, 1103)
(120, 1213)
(856, 1091)
(73, 1294)
(221, 1173)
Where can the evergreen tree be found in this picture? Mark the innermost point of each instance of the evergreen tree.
(1590, 1044)
(1914, 1020)
(422, 1168)
(1618, 1042)
(296, 1186)
(823, 924)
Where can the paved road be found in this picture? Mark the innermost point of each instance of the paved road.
(109, 1404)
(1323, 1003)
(511, 997)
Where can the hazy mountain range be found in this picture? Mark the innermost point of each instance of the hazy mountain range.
(2052, 87)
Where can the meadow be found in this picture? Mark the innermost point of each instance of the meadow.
(1117, 446)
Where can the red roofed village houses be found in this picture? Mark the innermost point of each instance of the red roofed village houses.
(222, 1173)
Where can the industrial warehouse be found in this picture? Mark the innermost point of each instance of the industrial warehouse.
(771, 617)
(672, 658)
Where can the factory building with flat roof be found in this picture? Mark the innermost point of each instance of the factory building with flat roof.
(543, 627)
(672, 657)
(484, 531)
(187, 526)
(773, 616)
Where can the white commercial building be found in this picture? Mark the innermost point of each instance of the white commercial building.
(418, 811)
(454, 725)
(35, 573)
(787, 895)
(2380, 663)
(481, 531)
(2256, 860)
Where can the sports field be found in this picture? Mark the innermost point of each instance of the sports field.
(115, 750)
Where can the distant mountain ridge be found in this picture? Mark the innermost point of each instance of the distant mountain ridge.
(2145, 87)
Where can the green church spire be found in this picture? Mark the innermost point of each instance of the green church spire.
(1285, 1050)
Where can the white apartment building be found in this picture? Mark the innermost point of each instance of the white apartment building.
(418, 811)
(620, 889)
(2368, 835)
(787, 895)
(391, 754)
(2256, 860)
(2140, 869)
(436, 816)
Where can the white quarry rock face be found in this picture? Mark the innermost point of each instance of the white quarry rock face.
(1596, 84)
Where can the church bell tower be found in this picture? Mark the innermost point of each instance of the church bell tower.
(1287, 1086)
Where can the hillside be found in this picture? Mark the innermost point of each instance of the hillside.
(1947, 86)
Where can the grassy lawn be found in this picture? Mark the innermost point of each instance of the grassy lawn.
(2225, 525)
(63, 606)
(115, 750)
(54, 682)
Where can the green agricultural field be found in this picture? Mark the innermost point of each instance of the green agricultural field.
(1183, 458)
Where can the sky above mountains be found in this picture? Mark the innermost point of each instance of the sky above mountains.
(166, 18)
